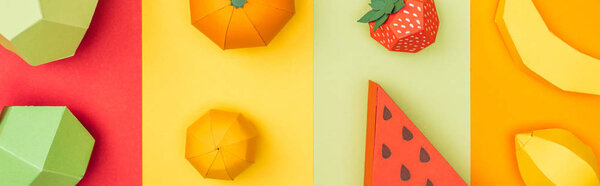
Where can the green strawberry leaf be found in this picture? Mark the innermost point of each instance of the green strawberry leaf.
(378, 15)
(391, 2)
(380, 21)
(399, 5)
(377, 5)
(381, 11)
(371, 16)
(389, 6)
(372, 1)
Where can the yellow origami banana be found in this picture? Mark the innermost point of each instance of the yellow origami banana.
(555, 157)
(530, 41)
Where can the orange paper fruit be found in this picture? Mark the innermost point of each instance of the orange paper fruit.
(241, 23)
(221, 144)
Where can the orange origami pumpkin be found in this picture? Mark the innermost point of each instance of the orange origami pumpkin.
(241, 23)
(221, 144)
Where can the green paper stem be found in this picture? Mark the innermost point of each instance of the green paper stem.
(381, 11)
(238, 3)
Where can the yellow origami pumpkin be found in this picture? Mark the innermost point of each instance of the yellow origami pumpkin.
(221, 144)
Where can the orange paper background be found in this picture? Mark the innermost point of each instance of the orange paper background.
(507, 98)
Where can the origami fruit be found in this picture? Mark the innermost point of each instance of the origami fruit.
(240, 23)
(397, 153)
(42, 146)
(555, 157)
(221, 144)
(403, 25)
(42, 31)
(530, 41)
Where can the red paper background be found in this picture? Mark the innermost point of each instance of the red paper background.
(101, 85)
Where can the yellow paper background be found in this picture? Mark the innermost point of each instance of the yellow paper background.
(185, 74)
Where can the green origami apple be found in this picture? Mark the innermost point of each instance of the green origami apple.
(42, 146)
(42, 31)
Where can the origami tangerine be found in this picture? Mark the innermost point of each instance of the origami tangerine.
(220, 145)
(241, 23)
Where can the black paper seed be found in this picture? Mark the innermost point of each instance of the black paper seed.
(385, 152)
(429, 183)
(387, 115)
(406, 134)
(424, 156)
(404, 173)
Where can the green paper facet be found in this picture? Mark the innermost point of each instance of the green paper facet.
(42, 31)
(42, 146)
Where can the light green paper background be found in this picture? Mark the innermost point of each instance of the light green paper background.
(432, 87)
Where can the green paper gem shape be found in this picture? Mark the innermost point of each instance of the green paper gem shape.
(42, 146)
(238, 3)
(42, 31)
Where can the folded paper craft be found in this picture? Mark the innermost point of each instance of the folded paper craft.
(403, 25)
(42, 31)
(221, 144)
(241, 23)
(397, 153)
(531, 42)
(42, 146)
(555, 157)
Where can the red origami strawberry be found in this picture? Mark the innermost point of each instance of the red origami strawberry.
(397, 153)
(403, 25)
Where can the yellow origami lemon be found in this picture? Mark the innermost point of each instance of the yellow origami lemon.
(555, 157)
(220, 145)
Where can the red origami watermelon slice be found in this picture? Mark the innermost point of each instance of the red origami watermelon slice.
(397, 152)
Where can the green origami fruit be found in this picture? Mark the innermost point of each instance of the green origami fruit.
(42, 146)
(42, 31)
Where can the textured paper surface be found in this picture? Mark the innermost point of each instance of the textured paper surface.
(555, 157)
(101, 85)
(532, 43)
(507, 98)
(397, 152)
(185, 75)
(432, 86)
